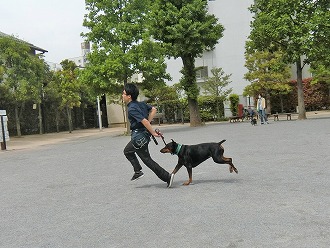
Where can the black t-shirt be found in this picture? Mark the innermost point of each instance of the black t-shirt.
(137, 111)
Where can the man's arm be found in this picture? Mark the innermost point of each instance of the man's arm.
(147, 124)
(152, 114)
(263, 103)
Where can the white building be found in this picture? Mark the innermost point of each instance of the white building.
(81, 61)
(229, 52)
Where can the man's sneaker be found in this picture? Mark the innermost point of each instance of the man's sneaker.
(169, 184)
(137, 175)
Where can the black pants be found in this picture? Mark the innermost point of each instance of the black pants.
(144, 155)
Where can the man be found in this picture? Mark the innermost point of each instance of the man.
(140, 115)
(261, 108)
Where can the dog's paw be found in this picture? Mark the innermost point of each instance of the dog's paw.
(232, 169)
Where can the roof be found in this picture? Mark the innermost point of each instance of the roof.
(33, 47)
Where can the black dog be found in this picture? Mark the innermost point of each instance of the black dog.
(192, 155)
(253, 121)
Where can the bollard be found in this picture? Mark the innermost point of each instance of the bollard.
(3, 143)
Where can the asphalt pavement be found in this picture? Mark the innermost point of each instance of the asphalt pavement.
(74, 190)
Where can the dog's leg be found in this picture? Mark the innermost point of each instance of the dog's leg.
(224, 160)
(231, 165)
(190, 177)
(220, 159)
(177, 167)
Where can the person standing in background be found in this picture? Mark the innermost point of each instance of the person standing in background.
(261, 108)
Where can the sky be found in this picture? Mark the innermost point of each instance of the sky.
(53, 25)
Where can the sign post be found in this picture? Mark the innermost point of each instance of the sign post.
(4, 134)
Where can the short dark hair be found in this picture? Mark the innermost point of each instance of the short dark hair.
(131, 90)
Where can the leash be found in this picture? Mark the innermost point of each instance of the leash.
(153, 137)
(178, 149)
(160, 134)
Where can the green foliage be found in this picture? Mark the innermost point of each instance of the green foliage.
(321, 74)
(68, 89)
(186, 30)
(234, 100)
(175, 110)
(211, 107)
(19, 66)
(296, 27)
(161, 94)
(267, 72)
(216, 85)
(321, 33)
(283, 24)
(121, 45)
(185, 27)
(22, 75)
(68, 86)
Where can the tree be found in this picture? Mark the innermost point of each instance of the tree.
(40, 78)
(69, 88)
(19, 75)
(293, 26)
(321, 33)
(268, 73)
(186, 30)
(122, 46)
(321, 74)
(234, 100)
(216, 86)
(53, 94)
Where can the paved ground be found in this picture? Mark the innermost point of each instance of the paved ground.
(74, 190)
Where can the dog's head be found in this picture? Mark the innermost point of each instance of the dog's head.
(169, 148)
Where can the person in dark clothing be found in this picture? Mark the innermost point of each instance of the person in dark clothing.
(140, 115)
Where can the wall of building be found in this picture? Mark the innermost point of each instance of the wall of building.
(229, 52)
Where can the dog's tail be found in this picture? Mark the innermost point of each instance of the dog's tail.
(221, 142)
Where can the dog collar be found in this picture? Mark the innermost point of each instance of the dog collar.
(178, 148)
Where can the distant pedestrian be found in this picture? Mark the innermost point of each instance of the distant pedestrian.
(261, 108)
(140, 115)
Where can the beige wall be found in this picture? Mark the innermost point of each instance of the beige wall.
(115, 114)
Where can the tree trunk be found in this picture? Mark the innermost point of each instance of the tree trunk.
(57, 119)
(182, 115)
(68, 110)
(268, 104)
(40, 119)
(281, 101)
(218, 110)
(83, 115)
(195, 118)
(18, 123)
(190, 86)
(329, 93)
(300, 90)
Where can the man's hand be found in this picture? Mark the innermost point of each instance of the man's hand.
(155, 134)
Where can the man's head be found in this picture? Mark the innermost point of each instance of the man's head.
(130, 92)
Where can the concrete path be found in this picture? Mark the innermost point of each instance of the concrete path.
(75, 190)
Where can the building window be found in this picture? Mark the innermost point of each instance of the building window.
(202, 72)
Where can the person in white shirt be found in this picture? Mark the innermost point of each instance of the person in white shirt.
(261, 108)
